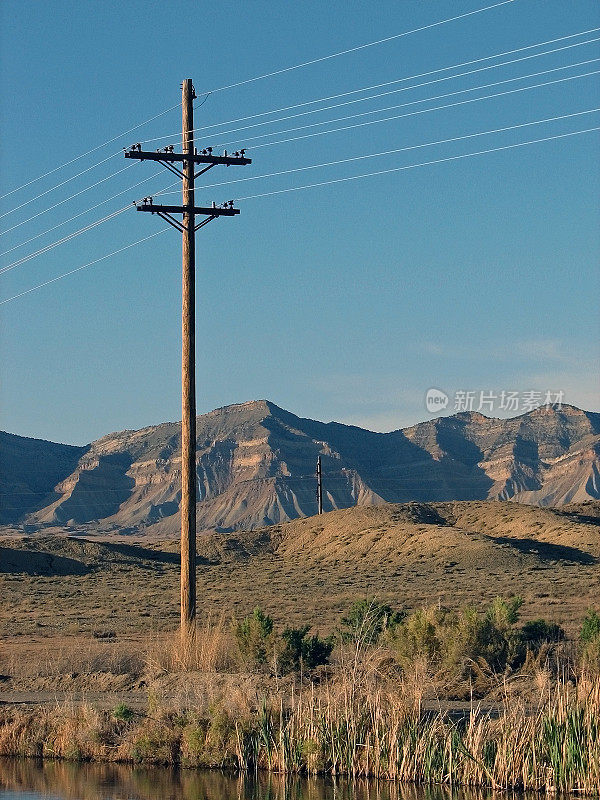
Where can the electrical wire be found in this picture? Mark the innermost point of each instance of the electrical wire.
(76, 216)
(357, 48)
(58, 185)
(416, 86)
(394, 151)
(454, 139)
(73, 235)
(388, 83)
(412, 113)
(66, 200)
(315, 185)
(84, 266)
(261, 77)
(421, 164)
(415, 102)
(93, 150)
(68, 238)
(389, 119)
(353, 116)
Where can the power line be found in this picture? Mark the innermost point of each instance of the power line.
(387, 83)
(400, 116)
(76, 216)
(416, 102)
(414, 113)
(415, 166)
(261, 77)
(64, 239)
(418, 86)
(396, 150)
(84, 266)
(58, 185)
(66, 200)
(88, 152)
(358, 47)
(319, 184)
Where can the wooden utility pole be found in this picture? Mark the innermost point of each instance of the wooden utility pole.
(319, 486)
(188, 371)
(188, 159)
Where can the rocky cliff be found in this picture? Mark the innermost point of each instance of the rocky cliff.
(256, 467)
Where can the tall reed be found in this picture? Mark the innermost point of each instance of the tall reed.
(340, 730)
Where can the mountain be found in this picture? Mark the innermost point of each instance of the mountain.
(256, 466)
(29, 471)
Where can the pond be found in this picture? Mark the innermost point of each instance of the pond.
(33, 780)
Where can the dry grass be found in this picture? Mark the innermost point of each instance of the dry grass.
(212, 649)
(313, 569)
(341, 729)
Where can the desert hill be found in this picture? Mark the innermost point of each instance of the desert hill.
(256, 466)
(312, 569)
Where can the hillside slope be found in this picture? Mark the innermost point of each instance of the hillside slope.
(256, 466)
(313, 569)
(29, 471)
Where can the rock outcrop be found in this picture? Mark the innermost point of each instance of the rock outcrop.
(256, 467)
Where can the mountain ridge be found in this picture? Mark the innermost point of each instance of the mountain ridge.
(255, 463)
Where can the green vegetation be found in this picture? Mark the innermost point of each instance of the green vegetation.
(123, 712)
(255, 637)
(304, 652)
(368, 619)
(363, 716)
(590, 641)
(375, 734)
(294, 650)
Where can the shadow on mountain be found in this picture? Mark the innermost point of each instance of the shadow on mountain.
(141, 554)
(98, 492)
(37, 562)
(29, 471)
(547, 551)
(391, 465)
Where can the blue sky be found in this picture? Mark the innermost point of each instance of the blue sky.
(346, 301)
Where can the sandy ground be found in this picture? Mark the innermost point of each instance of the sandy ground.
(93, 618)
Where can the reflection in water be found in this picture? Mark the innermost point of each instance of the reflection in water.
(66, 781)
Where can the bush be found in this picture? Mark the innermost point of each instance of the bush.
(463, 644)
(303, 651)
(255, 637)
(590, 642)
(418, 636)
(590, 628)
(538, 632)
(123, 713)
(367, 620)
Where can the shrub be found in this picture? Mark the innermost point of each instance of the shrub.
(303, 651)
(123, 713)
(538, 631)
(590, 628)
(255, 637)
(463, 644)
(418, 636)
(367, 620)
(590, 642)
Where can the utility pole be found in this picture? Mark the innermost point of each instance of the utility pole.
(188, 159)
(319, 486)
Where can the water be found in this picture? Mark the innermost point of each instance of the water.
(32, 780)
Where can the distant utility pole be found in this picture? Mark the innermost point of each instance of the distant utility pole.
(319, 486)
(188, 159)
